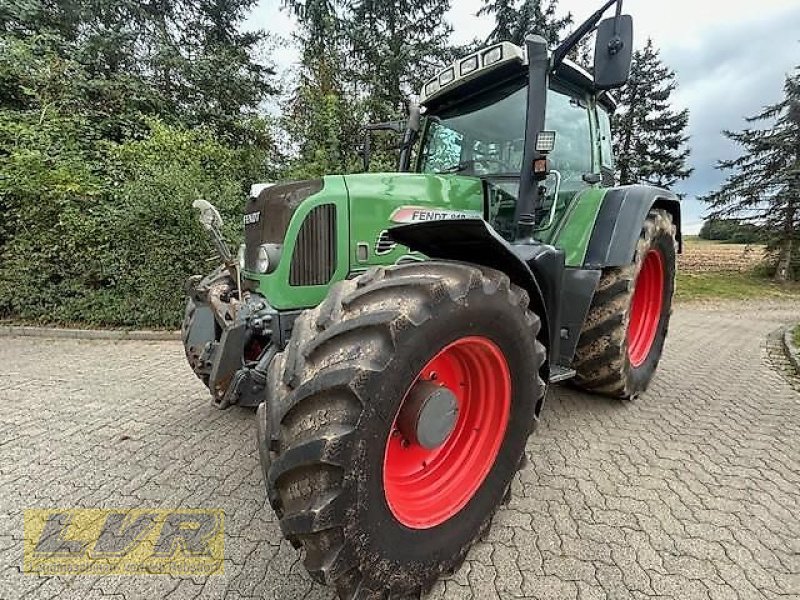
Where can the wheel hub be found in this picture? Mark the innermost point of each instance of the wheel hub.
(447, 433)
(429, 415)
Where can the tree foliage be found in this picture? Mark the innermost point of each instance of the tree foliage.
(361, 60)
(321, 126)
(730, 230)
(515, 20)
(114, 116)
(763, 187)
(396, 46)
(650, 137)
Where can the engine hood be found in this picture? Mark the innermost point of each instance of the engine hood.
(268, 214)
(379, 201)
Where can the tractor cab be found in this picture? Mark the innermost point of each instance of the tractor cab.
(534, 128)
(475, 126)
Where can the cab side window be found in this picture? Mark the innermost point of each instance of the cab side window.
(445, 149)
(568, 116)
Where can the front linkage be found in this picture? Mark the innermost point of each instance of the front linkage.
(230, 336)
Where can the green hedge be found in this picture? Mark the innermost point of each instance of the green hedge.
(104, 234)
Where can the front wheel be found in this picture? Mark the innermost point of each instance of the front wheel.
(398, 415)
(624, 333)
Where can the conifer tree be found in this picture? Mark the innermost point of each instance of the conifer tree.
(396, 47)
(225, 83)
(362, 60)
(650, 137)
(764, 186)
(514, 21)
(322, 115)
(506, 19)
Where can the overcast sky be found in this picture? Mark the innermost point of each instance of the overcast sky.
(730, 58)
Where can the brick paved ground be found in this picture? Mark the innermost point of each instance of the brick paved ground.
(691, 492)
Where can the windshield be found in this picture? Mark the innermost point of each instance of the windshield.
(483, 137)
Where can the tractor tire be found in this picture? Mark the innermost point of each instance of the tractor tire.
(378, 513)
(624, 333)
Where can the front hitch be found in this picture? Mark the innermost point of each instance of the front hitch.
(221, 324)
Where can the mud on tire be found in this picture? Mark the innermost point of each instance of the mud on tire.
(332, 398)
(602, 360)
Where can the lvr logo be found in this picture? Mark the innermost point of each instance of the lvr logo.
(92, 541)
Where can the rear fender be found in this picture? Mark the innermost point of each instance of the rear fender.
(474, 241)
(619, 223)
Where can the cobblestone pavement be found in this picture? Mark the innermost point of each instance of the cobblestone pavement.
(693, 491)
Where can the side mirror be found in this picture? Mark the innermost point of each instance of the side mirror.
(613, 52)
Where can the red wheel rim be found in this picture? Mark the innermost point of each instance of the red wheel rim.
(648, 301)
(423, 487)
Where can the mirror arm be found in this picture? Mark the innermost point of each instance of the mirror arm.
(396, 126)
(560, 53)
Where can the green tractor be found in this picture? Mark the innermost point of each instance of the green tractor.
(398, 331)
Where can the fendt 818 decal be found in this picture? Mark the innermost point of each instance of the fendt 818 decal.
(416, 214)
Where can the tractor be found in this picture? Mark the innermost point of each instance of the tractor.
(398, 331)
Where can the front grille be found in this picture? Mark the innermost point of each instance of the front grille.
(385, 244)
(314, 258)
(268, 215)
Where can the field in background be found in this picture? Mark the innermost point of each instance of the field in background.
(710, 270)
(703, 256)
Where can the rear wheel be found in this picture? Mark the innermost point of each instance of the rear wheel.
(623, 336)
(397, 417)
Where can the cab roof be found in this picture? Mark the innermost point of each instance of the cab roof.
(497, 63)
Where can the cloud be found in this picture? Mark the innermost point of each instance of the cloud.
(729, 74)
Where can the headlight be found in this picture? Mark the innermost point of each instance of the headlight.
(262, 260)
(267, 258)
(447, 77)
(469, 65)
(432, 87)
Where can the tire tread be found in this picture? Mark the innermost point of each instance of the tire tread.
(324, 360)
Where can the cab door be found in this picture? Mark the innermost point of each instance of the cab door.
(572, 159)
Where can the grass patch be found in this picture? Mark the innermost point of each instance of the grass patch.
(796, 335)
(731, 286)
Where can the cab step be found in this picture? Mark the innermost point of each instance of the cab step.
(560, 373)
